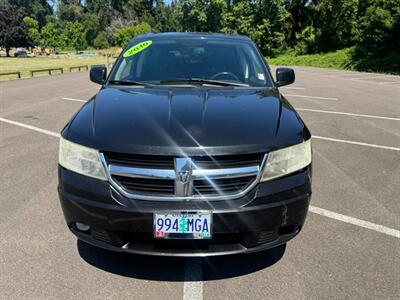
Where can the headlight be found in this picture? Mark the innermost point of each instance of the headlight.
(287, 160)
(81, 159)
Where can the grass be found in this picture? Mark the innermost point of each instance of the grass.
(111, 51)
(25, 64)
(340, 59)
(344, 59)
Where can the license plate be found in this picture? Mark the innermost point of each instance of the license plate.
(182, 225)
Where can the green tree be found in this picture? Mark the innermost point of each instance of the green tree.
(381, 27)
(33, 30)
(124, 35)
(337, 24)
(103, 11)
(36, 9)
(378, 47)
(305, 41)
(166, 17)
(300, 17)
(13, 31)
(100, 42)
(91, 24)
(193, 15)
(267, 38)
(271, 19)
(239, 19)
(51, 35)
(73, 35)
(214, 12)
(70, 12)
(138, 8)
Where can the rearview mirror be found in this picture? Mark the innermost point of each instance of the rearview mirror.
(284, 76)
(98, 74)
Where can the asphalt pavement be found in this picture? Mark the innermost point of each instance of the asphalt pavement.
(349, 247)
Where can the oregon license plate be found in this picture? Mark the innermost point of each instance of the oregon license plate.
(182, 225)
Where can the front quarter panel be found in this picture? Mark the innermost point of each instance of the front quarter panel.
(80, 127)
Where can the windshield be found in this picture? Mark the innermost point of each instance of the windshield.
(201, 61)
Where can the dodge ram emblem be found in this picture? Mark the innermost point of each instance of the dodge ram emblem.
(183, 177)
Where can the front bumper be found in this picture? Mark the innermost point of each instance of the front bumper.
(269, 215)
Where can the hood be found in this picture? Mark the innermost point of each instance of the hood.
(191, 121)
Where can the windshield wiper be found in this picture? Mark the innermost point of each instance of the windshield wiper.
(128, 82)
(202, 81)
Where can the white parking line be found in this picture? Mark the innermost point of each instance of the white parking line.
(359, 80)
(292, 88)
(347, 114)
(195, 266)
(30, 127)
(355, 143)
(193, 285)
(389, 82)
(365, 77)
(311, 97)
(73, 99)
(355, 221)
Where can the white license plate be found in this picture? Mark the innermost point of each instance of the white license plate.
(182, 225)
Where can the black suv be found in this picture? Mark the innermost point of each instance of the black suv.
(188, 149)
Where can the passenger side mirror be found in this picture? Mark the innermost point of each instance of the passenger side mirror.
(284, 76)
(98, 74)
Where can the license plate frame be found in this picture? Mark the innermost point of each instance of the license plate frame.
(183, 235)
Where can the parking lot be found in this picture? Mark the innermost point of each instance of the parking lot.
(349, 247)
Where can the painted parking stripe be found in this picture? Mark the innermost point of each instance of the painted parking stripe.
(347, 114)
(359, 80)
(389, 82)
(292, 88)
(355, 221)
(51, 133)
(355, 143)
(365, 77)
(193, 265)
(73, 99)
(311, 97)
(193, 284)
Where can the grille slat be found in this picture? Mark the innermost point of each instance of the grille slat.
(142, 161)
(222, 186)
(227, 161)
(167, 162)
(144, 185)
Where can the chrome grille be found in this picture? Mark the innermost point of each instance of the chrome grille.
(140, 161)
(227, 161)
(221, 186)
(145, 185)
(151, 177)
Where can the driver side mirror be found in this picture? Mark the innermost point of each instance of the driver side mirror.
(284, 76)
(98, 74)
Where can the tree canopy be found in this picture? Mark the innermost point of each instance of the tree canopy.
(13, 32)
(371, 27)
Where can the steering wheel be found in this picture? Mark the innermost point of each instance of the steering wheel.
(225, 73)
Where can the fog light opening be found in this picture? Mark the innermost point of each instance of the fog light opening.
(290, 229)
(82, 227)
